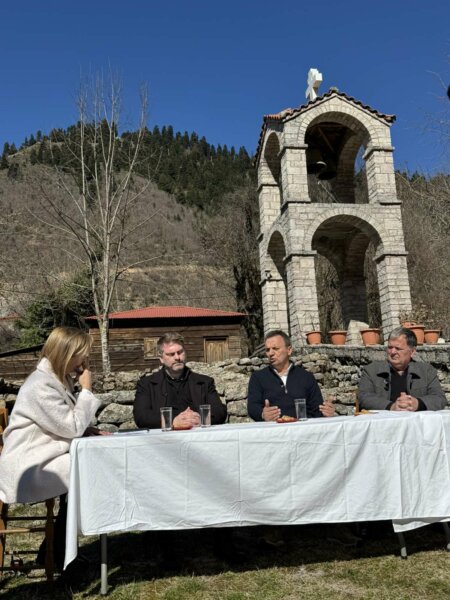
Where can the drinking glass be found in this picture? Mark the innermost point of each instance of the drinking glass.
(205, 415)
(300, 408)
(166, 418)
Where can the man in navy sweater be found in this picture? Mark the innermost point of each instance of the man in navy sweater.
(271, 394)
(272, 390)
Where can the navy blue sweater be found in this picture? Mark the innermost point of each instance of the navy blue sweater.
(266, 384)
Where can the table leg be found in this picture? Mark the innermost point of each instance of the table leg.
(447, 535)
(403, 551)
(103, 564)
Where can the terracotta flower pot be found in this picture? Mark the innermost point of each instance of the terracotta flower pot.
(338, 336)
(419, 331)
(314, 337)
(370, 337)
(408, 324)
(431, 336)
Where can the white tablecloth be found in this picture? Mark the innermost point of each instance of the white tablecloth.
(343, 469)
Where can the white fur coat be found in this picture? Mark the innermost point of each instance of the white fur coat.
(35, 463)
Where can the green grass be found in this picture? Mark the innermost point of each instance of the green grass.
(307, 566)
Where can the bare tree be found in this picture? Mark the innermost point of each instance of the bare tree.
(426, 219)
(95, 216)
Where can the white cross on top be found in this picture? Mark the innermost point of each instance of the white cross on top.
(314, 81)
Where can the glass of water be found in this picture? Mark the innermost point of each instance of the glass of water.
(300, 409)
(205, 415)
(166, 418)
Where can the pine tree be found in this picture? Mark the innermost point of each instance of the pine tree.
(56, 155)
(44, 154)
(33, 156)
(185, 140)
(14, 171)
(4, 164)
(56, 135)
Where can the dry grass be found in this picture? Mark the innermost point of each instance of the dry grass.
(308, 566)
(169, 264)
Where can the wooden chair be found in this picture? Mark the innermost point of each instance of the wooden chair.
(5, 519)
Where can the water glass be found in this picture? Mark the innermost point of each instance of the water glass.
(300, 409)
(166, 418)
(205, 415)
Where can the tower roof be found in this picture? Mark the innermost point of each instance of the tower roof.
(290, 113)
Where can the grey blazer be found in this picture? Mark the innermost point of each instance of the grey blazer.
(375, 385)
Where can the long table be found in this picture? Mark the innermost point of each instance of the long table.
(336, 470)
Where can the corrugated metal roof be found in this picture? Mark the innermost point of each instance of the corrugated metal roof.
(171, 312)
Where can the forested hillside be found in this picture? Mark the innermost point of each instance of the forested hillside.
(195, 172)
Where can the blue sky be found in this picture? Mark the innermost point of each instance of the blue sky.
(217, 67)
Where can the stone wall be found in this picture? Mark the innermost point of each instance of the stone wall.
(337, 370)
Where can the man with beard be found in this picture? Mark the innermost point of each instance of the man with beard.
(177, 386)
(184, 390)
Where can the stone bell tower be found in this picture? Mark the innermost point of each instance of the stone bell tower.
(310, 206)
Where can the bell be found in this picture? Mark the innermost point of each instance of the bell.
(329, 172)
(314, 161)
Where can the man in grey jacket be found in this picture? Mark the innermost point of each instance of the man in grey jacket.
(400, 383)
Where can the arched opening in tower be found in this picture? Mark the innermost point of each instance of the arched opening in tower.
(346, 278)
(334, 160)
(276, 281)
(272, 159)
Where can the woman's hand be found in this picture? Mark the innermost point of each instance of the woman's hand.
(95, 431)
(85, 379)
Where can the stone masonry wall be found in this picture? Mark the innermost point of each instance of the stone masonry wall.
(296, 218)
(337, 370)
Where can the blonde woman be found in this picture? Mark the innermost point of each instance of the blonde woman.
(47, 415)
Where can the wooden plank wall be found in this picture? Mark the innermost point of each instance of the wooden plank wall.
(18, 366)
(127, 348)
(127, 344)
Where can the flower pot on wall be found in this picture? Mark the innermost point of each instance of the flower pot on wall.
(419, 331)
(338, 336)
(408, 324)
(370, 337)
(431, 336)
(314, 337)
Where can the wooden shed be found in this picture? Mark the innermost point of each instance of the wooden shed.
(15, 365)
(210, 335)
